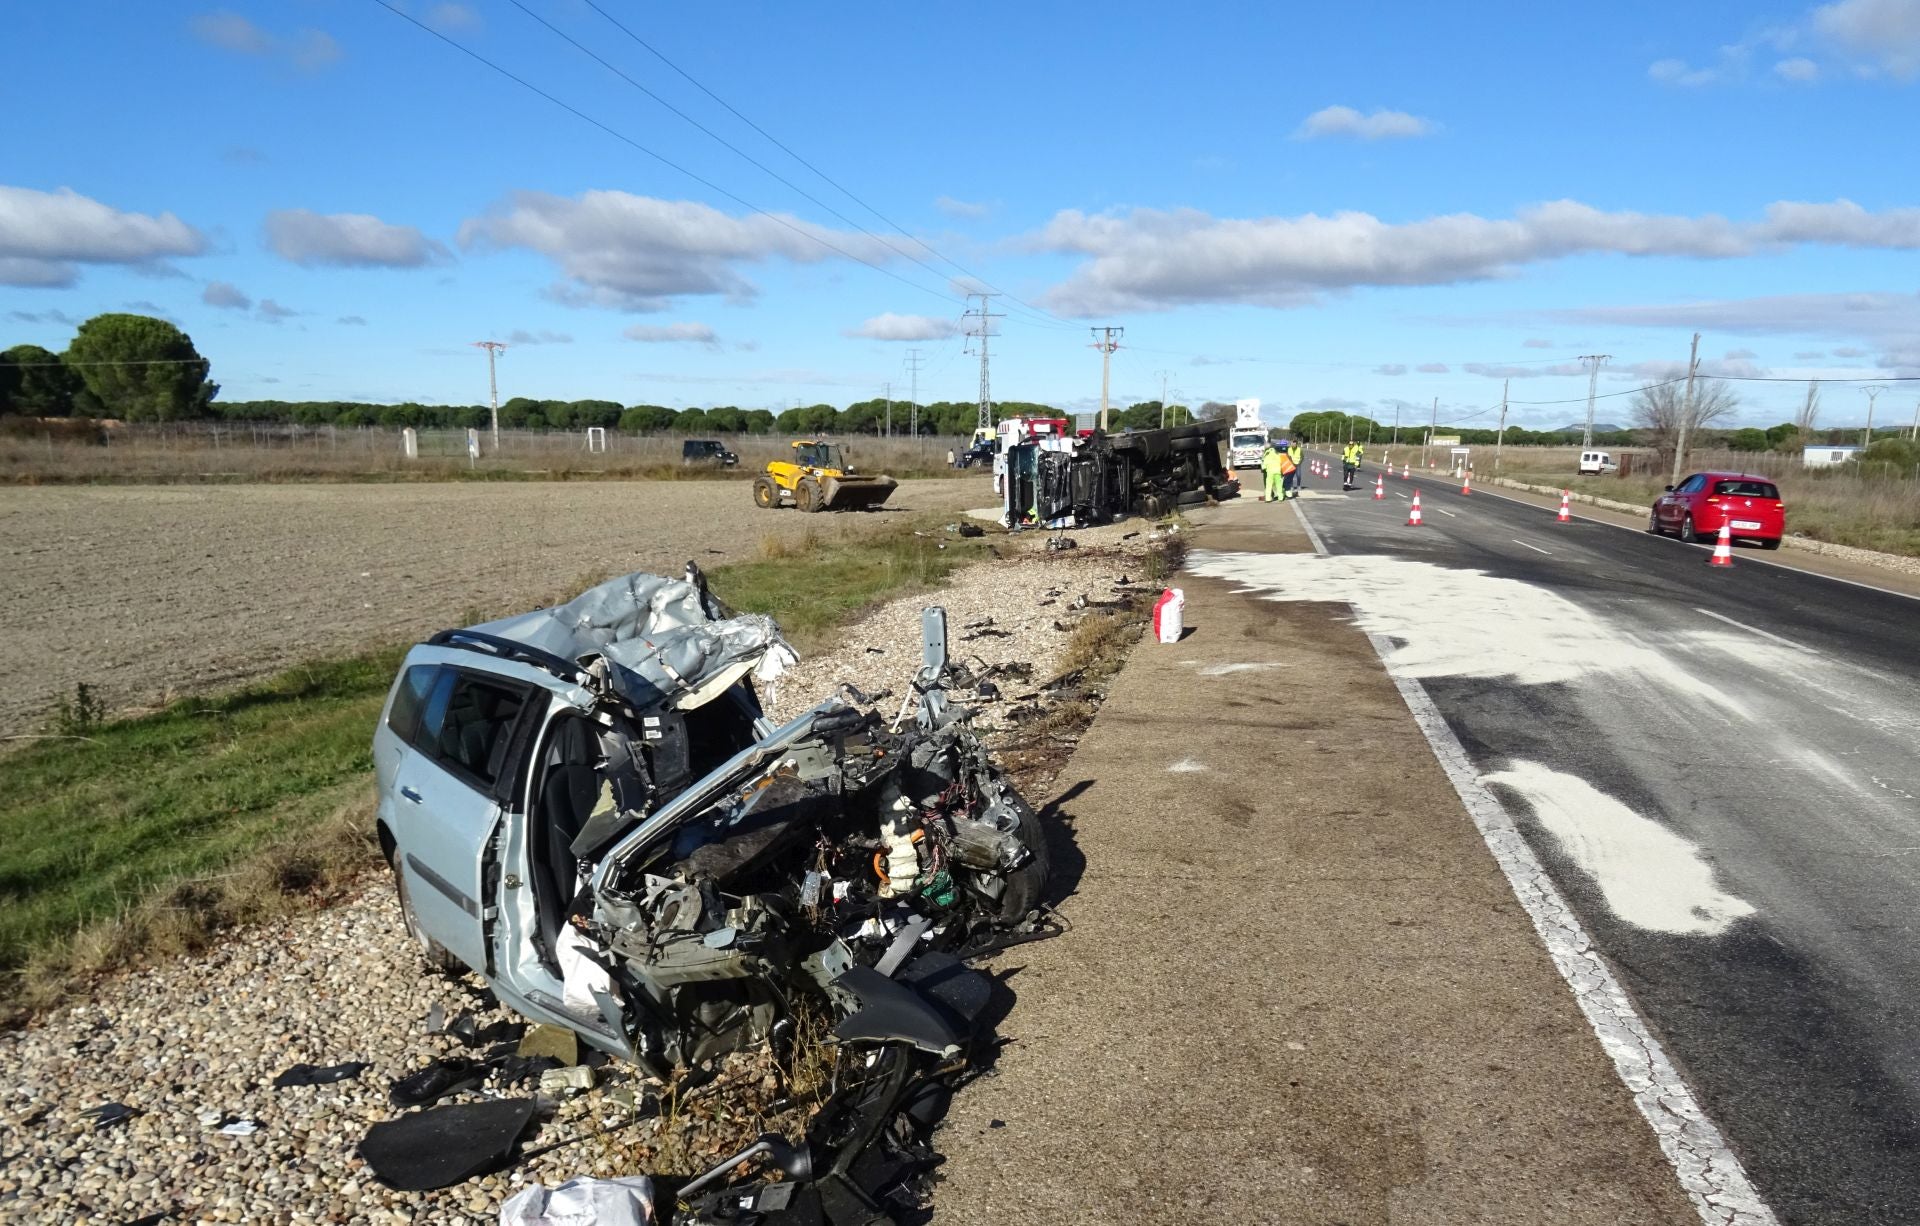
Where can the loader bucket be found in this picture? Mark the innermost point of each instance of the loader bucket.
(856, 493)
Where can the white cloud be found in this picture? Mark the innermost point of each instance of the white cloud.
(1735, 355)
(638, 253)
(1799, 70)
(43, 317)
(1884, 34)
(1536, 342)
(892, 327)
(226, 296)
(520, 336)
(1391, 368)
(1869, 315)
(1149, 259)
(357, 321)
(965, 210)
(1679, 72)
(1380, 125)
(1329, 404)
(348, 240)
(1432, 368)
(453, 17)
(1498, 370)
(1809, 355)
(1850, 351)
(273, 312)
(308, 50)
(45, 235)
(671, 334)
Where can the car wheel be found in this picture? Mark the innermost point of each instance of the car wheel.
(433, 953)
(1026, 885)
(1653, 524)
(806, 495)
(765, 496)
(1687, 533)
(1773, 543)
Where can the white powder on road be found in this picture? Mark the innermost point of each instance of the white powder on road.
(1466, 623)
(1186, 766)
(1650, 876)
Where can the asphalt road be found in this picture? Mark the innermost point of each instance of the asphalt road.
(1718, 768)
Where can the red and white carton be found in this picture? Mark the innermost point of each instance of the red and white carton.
(1169, 615)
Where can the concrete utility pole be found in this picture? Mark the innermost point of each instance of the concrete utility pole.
(1686, 411)
(1431, 427)
(1500, 440)
(1163, 400)
(1106, 345)
(913, 396)
(1396, 423)
(1873, 391)
(889, 409)
(1593, 385)
(1914, 434)
(493, 387)
(982, 327)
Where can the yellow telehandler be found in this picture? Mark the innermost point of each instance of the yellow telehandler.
(818, 478)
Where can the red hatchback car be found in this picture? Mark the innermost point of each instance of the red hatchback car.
(1696, 508)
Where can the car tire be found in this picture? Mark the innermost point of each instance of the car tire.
(1653, 525)
(1026, 885)
(1687, 533)
(806, 495)
(1772, 543)
(433, 953)
(766, 495)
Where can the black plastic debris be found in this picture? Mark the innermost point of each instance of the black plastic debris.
(442, 1146)
(109, 1115)
(446, 1076)
(972, 530)
(319, 1075)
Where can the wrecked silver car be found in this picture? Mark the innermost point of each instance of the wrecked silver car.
(587, 806)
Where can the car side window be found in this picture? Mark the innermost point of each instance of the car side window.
(1692, 485)
(416, 685)
(475, 727)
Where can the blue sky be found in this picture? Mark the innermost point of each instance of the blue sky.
(1304, 204)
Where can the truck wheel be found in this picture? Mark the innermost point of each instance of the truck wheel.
(806, 495)
(765, 496)
(1190, 498)
(433, 953)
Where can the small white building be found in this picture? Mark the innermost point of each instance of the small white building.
(1827, 457)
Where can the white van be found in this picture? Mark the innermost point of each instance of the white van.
(1597, 462)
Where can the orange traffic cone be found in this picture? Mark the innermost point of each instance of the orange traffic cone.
(1413, 516)
(1466, 484)
(1723, 548)
(1566, 511)
(1379, 488)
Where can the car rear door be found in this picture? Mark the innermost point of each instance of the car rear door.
(448, 800)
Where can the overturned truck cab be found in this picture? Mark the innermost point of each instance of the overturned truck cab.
(587, 806)
(1066, 482)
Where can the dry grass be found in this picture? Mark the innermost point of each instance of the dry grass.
(199, 452)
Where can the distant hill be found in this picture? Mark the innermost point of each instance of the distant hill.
(1599, 427)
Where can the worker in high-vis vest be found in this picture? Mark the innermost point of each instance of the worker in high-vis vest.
(1350, 465)
(1270, 457)
(1287, 464)
(1295, 454)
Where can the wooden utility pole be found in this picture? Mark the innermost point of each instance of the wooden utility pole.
(1686, 411)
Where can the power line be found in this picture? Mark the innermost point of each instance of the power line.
(1041, 315)
(658, 157)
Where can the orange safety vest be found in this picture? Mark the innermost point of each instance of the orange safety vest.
(1286, 464)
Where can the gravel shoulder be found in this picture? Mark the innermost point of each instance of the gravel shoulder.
(147, 592)
(208, 1034)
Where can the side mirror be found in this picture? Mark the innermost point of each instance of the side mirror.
(1668, 488)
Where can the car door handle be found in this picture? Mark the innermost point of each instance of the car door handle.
(410, 794)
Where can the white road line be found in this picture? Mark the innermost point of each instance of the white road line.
(1765, 634)
(1744, 556)
(1707, 1170)
(1447, 513)
(1516, 540)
